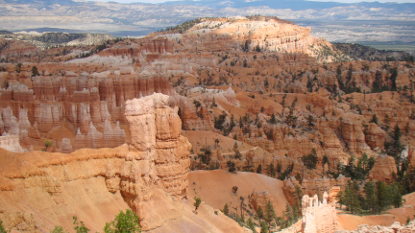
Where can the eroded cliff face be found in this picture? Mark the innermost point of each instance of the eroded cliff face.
(75, 110)
(149, 175)
(384, 169)
(253, 81)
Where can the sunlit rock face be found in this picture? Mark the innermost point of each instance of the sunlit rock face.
(87, 109)
(147, 175)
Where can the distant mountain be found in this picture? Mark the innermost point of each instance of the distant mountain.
(361, 52)
(41, 2)
(276, 4)
(367, 21)
(290, 4)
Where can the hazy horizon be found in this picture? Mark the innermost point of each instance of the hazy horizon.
(340, 1)
(375, 22)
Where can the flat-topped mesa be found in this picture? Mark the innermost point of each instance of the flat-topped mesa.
(250, 34)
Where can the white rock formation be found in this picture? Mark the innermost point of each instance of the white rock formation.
(11, 143)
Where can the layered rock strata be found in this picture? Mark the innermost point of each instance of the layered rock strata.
(10, 143)
(87, 110)
(257, 33)
(148, 175)
(384, 169)
(318, 216)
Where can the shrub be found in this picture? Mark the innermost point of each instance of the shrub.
(374, 119)
(79, 226)
(226, 209)
(205, 155)
(310, 160)
(2, 230)
(19, 67)
(259, 169)
(234, 189)
(197, 203)
(273, 120)
(127, 222)
(219, 121)
(57, 229)
(47, 144)
(35, 71)
(231, 166)
(251, 225)
(271, 170)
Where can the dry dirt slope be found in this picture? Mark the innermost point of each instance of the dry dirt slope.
(215, 188)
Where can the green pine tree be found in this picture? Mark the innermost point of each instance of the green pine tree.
(269, 214)
(371, 198)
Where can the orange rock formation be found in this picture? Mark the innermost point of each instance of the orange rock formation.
(40, 190)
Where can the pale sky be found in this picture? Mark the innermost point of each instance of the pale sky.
(345, 1)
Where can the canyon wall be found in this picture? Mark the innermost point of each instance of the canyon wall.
(149, 175)
(72, 111)
(384, 169)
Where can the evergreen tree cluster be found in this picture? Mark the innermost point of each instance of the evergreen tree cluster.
(407, 180)
(220, 123)
(394, 147)
(372, 198)
(359, 171)
(277, 171)
(266, 218)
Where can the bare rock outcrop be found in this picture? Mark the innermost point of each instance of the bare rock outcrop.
(155, 134)
(318, 216)
(353, 136)
(384, 169)
(320, 185)
(394, 228)
(411, 157)
(10, 143)
(375, 136)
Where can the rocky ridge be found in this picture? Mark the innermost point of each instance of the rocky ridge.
(57, 39)
(256, 33)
